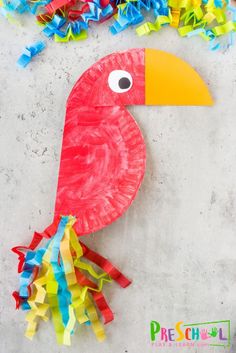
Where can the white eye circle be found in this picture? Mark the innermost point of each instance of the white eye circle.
(120, 81)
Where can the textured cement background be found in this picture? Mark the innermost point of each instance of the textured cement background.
(177, 241)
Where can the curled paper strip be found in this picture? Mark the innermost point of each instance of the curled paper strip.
(55, 278)
(29, 53)
(207, 19)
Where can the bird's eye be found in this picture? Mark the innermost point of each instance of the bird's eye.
(120, 81)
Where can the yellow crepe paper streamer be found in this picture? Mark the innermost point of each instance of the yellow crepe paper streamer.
(183, 31)
(79, 294)
(51, 289)
(175, 17)
(37, 300)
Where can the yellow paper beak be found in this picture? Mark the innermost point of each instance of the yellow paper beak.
(171, 81)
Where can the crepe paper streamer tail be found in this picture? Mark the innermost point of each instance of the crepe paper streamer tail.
(29, 53)
(55, 278)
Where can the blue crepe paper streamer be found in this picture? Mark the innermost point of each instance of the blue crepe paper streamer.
(195, 32)
(19, 6)
(97, 12)
(32, 259)
(127, 16)
(22, 6)
(160, 7)
(54, 26)
(63, 294)
(29, 53)
(76, 27)
(218, 3)
(38, 4)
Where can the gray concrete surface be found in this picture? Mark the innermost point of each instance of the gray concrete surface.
(177, 241)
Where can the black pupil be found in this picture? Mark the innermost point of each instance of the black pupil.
(124, 83)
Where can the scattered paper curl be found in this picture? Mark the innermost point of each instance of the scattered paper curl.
(29, 52)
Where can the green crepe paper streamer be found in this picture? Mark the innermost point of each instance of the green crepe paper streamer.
(70, 36)
(148, 27)
(224, 29)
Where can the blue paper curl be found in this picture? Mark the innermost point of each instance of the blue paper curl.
(29, 53)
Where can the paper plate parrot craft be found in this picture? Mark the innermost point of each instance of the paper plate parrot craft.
(102, 166)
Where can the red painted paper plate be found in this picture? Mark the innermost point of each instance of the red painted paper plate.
(103, 151)
(102, 166)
